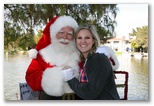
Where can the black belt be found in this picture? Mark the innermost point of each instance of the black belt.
(68, 96)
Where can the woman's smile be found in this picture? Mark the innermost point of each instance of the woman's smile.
(84, 41)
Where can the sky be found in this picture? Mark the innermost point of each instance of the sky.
(131, 16)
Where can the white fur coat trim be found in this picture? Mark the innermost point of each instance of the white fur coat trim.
(53, 82)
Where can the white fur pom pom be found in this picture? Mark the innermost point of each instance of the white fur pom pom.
(32, 53)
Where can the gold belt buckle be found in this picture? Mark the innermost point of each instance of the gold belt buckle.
(68, 96)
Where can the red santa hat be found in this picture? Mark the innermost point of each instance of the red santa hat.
(51, 29)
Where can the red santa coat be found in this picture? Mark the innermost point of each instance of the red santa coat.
(43, 74)
(35, 71)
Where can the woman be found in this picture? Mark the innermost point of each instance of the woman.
(96, 80)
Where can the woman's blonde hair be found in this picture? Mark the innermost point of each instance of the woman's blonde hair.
(95, 36)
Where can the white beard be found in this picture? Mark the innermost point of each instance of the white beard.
(65, 49)
(60, 55)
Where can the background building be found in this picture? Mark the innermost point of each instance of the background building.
(120, 44)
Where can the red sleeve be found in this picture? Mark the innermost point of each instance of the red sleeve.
(35, 71)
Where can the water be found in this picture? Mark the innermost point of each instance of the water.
(14, 73)
(15, 68)
(138, 76)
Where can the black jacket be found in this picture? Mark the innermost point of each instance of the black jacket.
(101, 84)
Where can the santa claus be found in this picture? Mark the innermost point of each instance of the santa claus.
(54, 56)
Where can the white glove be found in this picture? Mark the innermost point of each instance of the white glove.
(68, 74)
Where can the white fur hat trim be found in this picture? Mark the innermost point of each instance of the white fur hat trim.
(32, 53)
(61, 22)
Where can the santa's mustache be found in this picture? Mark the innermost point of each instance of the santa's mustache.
(64, 40)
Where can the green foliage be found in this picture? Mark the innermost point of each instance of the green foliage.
(141, 40)
(20, 20)
(38, 36)
(25, 40)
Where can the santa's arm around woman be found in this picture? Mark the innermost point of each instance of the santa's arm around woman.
(42, 76)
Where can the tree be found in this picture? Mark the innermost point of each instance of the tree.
(11, 34)
(29, 17)
(141, 40)
(38, 36)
